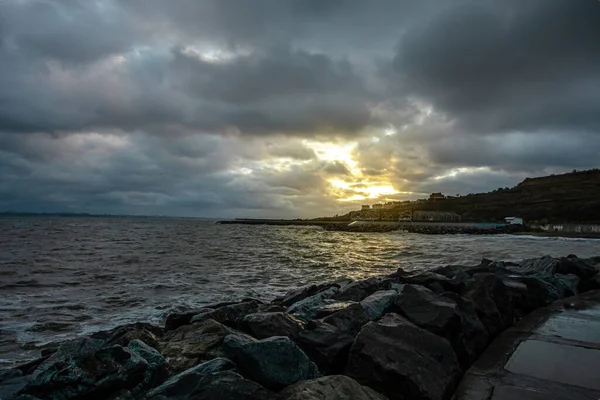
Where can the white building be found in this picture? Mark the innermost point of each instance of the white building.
(514, 220)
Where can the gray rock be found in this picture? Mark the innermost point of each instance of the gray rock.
(122, 335)
(307, 308)
(156, 372)
(190, 345)
(185, 382)
(543, 265)
(176, 319)
(426, 309)
(264, 325)
(580, 268)
(402, 361)
(296, 295)
(327, 346)
(357, 291)
(334, 387)
(349, 320)
(87, 373)
(226, 385)
(330, 308)
(570, 284)
(275, 362)
(379, 303)
(228, 315)
(11, 382)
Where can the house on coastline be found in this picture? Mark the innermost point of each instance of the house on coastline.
(436, 196)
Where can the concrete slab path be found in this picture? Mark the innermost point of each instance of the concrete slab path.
(553, 353)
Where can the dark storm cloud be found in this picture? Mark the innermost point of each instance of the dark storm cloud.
(508, 65)
(151, 106)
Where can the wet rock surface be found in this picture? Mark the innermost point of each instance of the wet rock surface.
(335, 387)
(403, 361)
(407, 335)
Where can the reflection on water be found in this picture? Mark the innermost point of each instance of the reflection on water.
(61, 276)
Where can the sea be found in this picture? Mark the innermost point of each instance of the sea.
(61, 277)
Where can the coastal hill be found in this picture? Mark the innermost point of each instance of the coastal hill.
(567, 198)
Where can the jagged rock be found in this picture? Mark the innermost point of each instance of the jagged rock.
(185, 382)
(494, 300)
(330, 308)
(402, 361)
(175, 320)
(11, 382)
(543, 265)
(122, 335)
(578, 267)
(426, 309)
(79, 369)
(570, 284)
(379, 303)
(349, 320)
(306, 308)
(447, 315)
(470, 338)
(228, 315)
(275, 362)
(156, 372)
(270, 308)
(335, 387)
(193, 344)
(264, 325)
(226, 385)
(542, 290)
(327, 346)
(302, 293)
(357, 291)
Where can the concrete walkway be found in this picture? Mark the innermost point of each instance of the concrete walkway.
(553, 353)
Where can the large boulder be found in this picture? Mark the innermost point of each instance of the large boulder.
(275, 362)
(82, 369)
(11, 382)
(426, 309)
(334, 387)
(301, 293)
(185, 382)
(349, 320)
(495, 299)
(176, 319)
(470, 338)
(542, 290)
(306, 308)
(190, 345)
(225, 385)
(356, 291)
(447, 315)
(327, 346)
(569, 283)
(157, 370)
(402, 361)
(228, 315)
(584, 270)
(122, 335)
(379, 303)
(264, 325)
(330, 308)
(542, 265)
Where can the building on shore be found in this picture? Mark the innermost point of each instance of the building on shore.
(377, 206)
(436, 216)
(365, 207)
(514, 220)
(437, 196)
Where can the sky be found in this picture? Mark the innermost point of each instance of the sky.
(289, 108)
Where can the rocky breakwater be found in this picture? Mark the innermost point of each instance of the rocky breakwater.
(407, 335)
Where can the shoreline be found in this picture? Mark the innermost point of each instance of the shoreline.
(338, 334)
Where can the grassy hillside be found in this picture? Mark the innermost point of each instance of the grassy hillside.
(572, 197)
